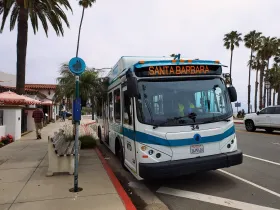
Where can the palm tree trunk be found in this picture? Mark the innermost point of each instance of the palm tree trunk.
(274, 94)
(256, 91)
(269, 92)
(230, 66)
(21, 49)
(266, 95)
(261, 104)
(249, 83)
(78, 42)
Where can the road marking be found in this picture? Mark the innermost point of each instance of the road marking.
(275, 143)
(267, 161)
(251, 183)
(212, 199)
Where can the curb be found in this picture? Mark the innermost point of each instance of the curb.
(125, 198)
(238, 123)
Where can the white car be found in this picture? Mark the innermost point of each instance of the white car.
(268, 119)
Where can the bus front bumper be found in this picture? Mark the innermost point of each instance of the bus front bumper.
(188, 166)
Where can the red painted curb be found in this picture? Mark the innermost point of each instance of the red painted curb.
(89, 123)
(238, 123)
(125, 198)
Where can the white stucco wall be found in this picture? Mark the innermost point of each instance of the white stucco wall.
(12, 121)
(2, 130)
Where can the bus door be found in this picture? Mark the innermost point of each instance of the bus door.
(128, 131)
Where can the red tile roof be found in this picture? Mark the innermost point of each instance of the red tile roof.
(40, 86)
(14, 88)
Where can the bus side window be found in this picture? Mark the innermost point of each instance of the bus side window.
(127, 107)
(117, 105)
(110, 107)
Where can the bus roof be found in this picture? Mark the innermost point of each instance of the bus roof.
(126, 62)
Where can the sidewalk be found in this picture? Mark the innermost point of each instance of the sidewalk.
(24, 185)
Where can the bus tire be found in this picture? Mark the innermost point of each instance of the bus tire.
(119, 152)
(99, 135)
(250, 126)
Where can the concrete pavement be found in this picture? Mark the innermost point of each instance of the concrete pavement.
(24, 185)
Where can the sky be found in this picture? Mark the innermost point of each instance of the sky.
(111, 29)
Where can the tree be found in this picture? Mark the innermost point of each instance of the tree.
(252, 41)
(267, 49)
(257, 64)
(90, 84)
(22, 10)
(273, 77)
(232, 40)
(85, 4)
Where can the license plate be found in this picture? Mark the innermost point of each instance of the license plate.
(197, 149)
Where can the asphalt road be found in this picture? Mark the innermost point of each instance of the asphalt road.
(255, 184)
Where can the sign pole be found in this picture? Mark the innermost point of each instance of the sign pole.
(76, 142)
(77, 66)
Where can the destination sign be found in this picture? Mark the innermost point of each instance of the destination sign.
(178, 70)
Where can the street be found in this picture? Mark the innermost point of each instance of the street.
(255, 184)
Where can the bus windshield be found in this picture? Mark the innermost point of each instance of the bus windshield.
(183, 102)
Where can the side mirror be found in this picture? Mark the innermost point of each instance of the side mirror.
(258, 112)
(232, 93)
(132, 87)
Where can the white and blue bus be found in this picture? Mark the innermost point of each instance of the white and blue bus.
(165, 118)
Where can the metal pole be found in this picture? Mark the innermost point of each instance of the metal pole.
(76, 142)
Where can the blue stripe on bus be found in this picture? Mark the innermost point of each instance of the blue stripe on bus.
(149, 139)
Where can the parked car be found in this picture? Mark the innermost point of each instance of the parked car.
(268, 119)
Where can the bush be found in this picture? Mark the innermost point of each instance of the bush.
(87, 142)
(86, 110)
(4, 140)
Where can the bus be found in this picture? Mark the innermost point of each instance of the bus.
(166, 117)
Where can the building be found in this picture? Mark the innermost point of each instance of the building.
(43, 92)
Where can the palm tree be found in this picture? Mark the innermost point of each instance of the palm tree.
(85, 4)
(257, 64)
(273, 77)
(252, 41)
(232, 40)
(22, 10)
(90, 85)
(267, 49)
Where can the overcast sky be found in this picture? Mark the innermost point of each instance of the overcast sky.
(111, 29)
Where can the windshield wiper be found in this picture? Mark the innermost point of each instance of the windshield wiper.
(217, 120)
(191, 116)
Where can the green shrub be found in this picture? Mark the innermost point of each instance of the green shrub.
(86, 110)
(87, 142)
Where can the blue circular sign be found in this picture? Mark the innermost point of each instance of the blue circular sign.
(77, 65)
(197, 137)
